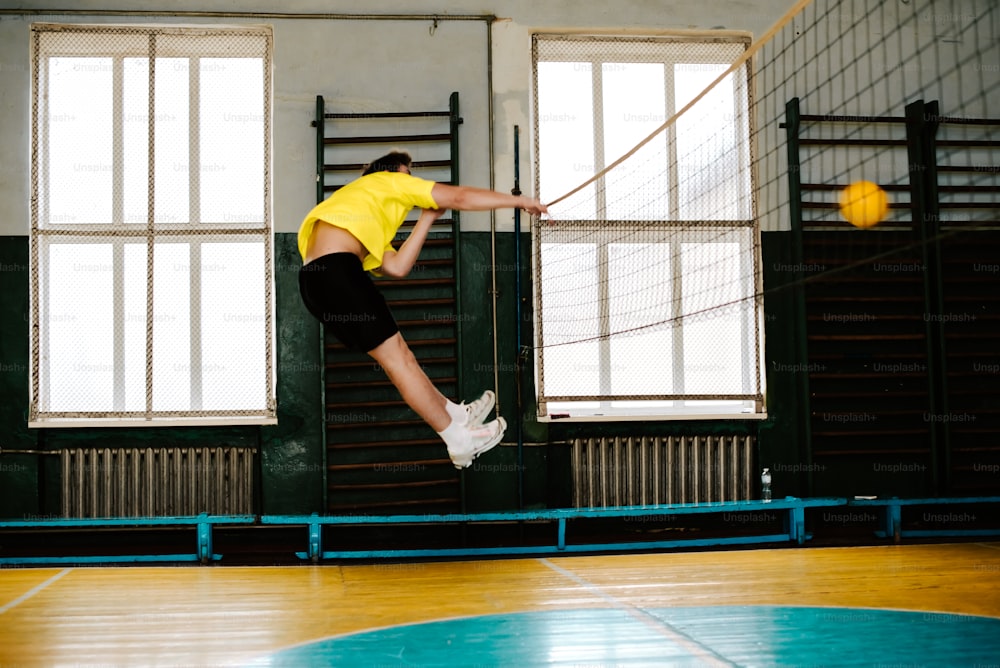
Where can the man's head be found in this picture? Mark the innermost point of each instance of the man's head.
(390, 162)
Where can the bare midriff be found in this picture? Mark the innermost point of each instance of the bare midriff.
(327, 238)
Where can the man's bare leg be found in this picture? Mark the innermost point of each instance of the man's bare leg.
(413, 384)
(465, 441)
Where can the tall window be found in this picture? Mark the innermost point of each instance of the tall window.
(151, 225)
(646, 288)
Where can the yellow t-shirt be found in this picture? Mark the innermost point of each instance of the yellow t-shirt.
(372, 208)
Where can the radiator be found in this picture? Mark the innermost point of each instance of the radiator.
(632, 471)
(156, 482)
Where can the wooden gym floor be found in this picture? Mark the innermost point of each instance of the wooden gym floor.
(879, 605)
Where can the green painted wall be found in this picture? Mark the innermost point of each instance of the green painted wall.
(19, 474)
(782, 435)
(292, 452)
(291, 471)
(493, 483)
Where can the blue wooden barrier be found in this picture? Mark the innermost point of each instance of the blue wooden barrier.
(203, 525)
(892, 516)
(793, 507)
(793, 528)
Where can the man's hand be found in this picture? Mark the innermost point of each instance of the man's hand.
(431, 214)
(467, 198)
(398, 264)
(534, 206)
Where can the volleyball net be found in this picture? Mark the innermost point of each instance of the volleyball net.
(665, 158)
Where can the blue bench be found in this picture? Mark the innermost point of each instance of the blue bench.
(793, 507)
(892, 516)
(203, 525)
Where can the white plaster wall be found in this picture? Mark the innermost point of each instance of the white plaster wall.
(384, 65)
(366, 65)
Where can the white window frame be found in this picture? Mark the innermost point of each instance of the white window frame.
(119, 233)
(605, 407)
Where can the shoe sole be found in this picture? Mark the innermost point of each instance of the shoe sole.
(475, 420)
(485, 447)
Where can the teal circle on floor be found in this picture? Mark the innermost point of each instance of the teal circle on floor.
(730, 635)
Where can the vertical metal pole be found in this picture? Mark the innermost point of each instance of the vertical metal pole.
(319, 121)
(494, 291)
(454, 120)
(936, 285)
(924, 213)
(795, 214)
(519, 364)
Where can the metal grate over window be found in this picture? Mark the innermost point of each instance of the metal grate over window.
(647, 298)
(151, 279)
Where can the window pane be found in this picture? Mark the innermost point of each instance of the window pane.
(640, 306)
(135, 129)
(709, 165)
(232, 326)
(79, 320)
(713, 348)
(713, 355)
(640, 190)
(172, 323)
(232, 140)
(669, 303)
(173, 155)
(206, 344)
(573, 370)
(78, 153)
(570, 310)
(565, 133)
(134, 354)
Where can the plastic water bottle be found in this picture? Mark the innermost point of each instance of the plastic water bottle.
(765, 485)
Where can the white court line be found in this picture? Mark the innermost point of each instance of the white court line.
(992, 546)
(34, 590)
(695, 648)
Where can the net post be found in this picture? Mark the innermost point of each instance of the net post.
(454, 120)
(518, 325)
(792, 128)
(925, 217)
(319, 121)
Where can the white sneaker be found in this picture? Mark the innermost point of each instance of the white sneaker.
(480, 408)
(479, 439)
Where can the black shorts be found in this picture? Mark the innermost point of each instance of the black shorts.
(340, 294)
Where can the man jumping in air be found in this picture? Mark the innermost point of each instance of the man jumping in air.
(349, 234)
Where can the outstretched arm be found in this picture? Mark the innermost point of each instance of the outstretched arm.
(399, 263)
(466, 198)
(459, 198)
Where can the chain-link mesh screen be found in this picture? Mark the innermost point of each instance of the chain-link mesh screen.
(630, 261)
(151, 230)
(661, 169)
